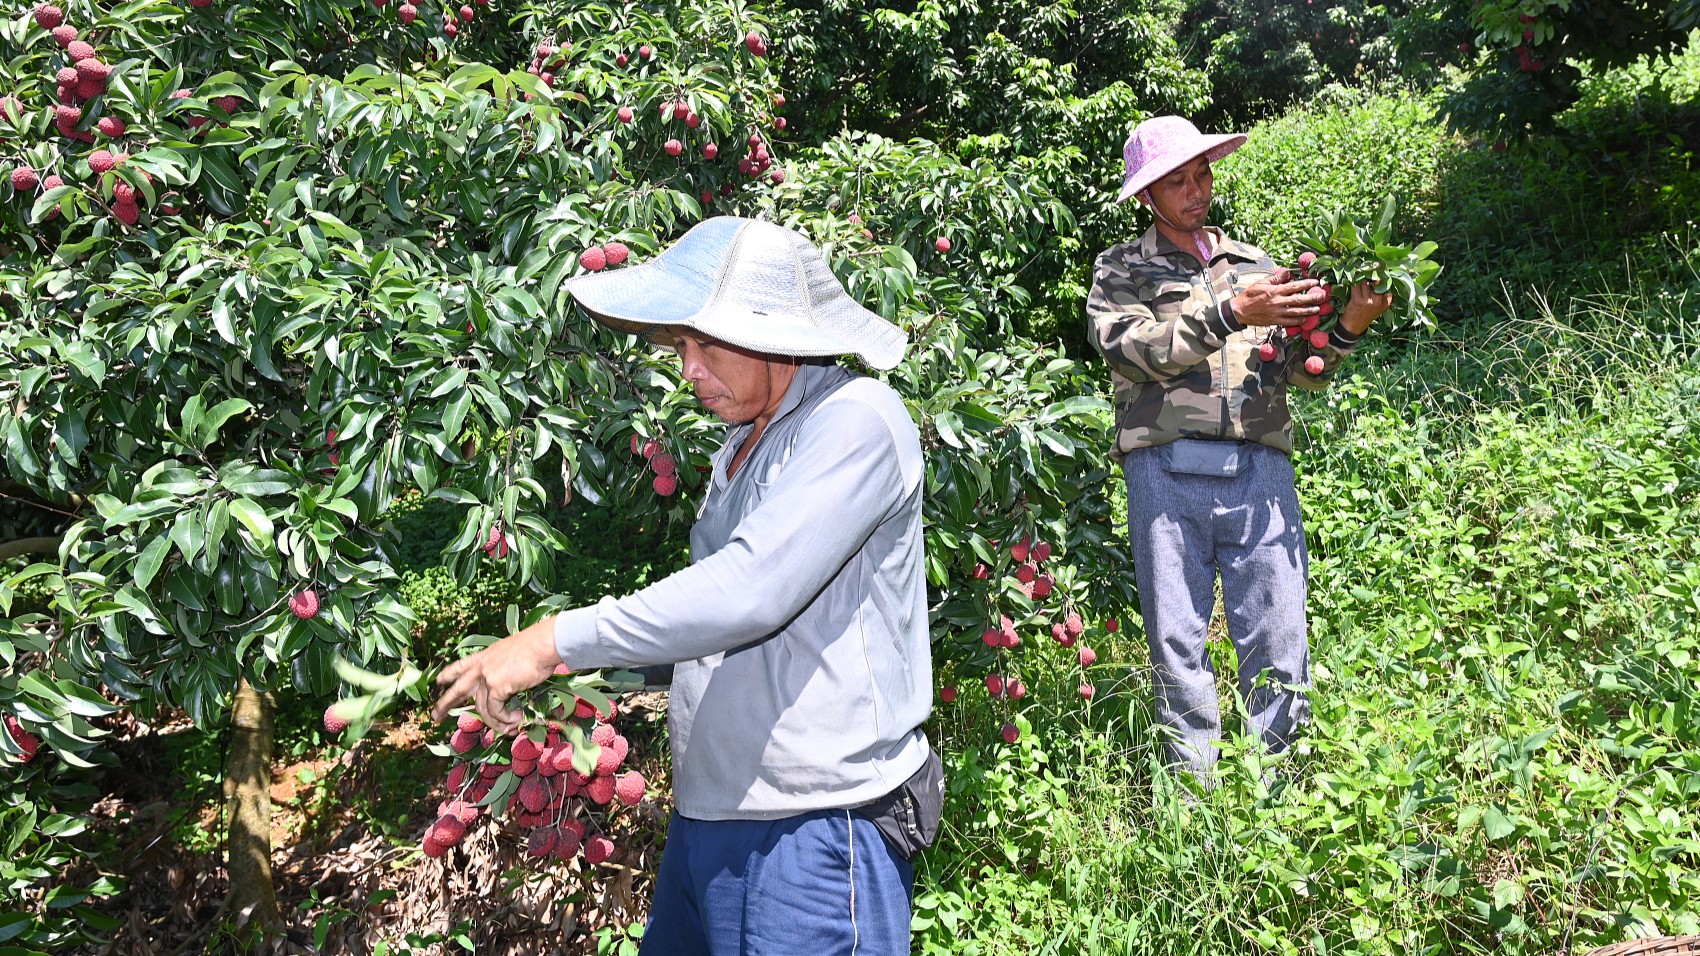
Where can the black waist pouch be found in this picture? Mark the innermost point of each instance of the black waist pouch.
(908, 817)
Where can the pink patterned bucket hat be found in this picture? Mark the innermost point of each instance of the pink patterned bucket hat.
(1163, 144)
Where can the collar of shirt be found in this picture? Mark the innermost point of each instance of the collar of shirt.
(1154, 245)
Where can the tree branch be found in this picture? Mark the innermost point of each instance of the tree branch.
(42, 545)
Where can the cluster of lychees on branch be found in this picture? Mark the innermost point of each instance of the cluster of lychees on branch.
(666, 468)
(80, 112)
(557, 780)
(1025, 568)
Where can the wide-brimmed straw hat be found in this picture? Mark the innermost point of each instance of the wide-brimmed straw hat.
(1163, 144)
(753, 284)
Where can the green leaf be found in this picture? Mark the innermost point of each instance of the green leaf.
(1496, 824)
(219, 414)
(147, 566)
(254, 518)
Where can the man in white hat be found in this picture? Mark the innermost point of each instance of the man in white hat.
(1196, 328)
(798, 634)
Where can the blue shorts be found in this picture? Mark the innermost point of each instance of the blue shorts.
(823, 883)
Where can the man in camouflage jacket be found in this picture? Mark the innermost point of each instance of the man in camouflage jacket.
(1202, 335)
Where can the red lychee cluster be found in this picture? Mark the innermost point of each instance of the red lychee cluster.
(597, 258)
(665, 467)
(1026, 573)
(758, 160)
(1314, 329)
(82, 80)
(547, 60)
(545, 790)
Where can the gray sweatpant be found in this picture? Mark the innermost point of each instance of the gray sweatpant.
(1187, 527)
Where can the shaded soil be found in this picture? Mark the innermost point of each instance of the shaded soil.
(346, 830)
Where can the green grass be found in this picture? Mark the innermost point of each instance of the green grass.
(1504, 525)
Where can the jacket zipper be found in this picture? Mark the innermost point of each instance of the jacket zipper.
(1221, 353)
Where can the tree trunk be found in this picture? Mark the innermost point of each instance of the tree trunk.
(248, 799)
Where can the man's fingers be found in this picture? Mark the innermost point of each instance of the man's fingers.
(452, 671)
(458, 692)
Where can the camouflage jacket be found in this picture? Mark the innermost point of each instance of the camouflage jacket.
(1183, 365)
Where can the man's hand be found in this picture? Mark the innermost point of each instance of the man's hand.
(1364, 307)
(490, 677)
(1278, 300)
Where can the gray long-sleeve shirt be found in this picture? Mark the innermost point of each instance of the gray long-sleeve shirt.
(799, 632)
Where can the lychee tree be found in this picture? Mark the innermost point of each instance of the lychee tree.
(313, 268)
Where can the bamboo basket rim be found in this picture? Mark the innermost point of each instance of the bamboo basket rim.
(1651, 946)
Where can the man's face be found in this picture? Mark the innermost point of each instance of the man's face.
(1183, 196)
(734, 383)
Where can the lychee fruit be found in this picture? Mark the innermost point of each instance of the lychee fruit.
(1087, 690)
(1017, 690)
(692, 120)
(1025, 572)
(449, 30)
(64, 34)
(994, 685)
(776, 177)
(334, 723)
(663, 464)
(1042, 586)
(466, 13)
(992, 637)
(615, 253)
(755, 44)
(710, 150)
(48, 16)
(674, 147)
(645, 52)
(1266, 351)
(303, 604)
(1305, 260)
(947, 693)
(408, 12)
(1112, 625)
(470, 723)
(621, 60)
(629, 788)
(593, 259)
(431, 847)
(66, 76)
(665, 485)
(541, 842)
(24, 179)
(625, 114)
(598, 849)
(448, 830)
(1018, 550)
(600, 789)
(111, 126)
(78, 50)
(1011, 733)
(1313, 365)
(101, 161)
(462, 742)
(123, 192)
(524, 748)
(981, 572)
(942, 244)
(1088, 657)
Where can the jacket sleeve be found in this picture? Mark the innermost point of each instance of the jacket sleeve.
(1138, 343)
(843, 478)
(1340, 344)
